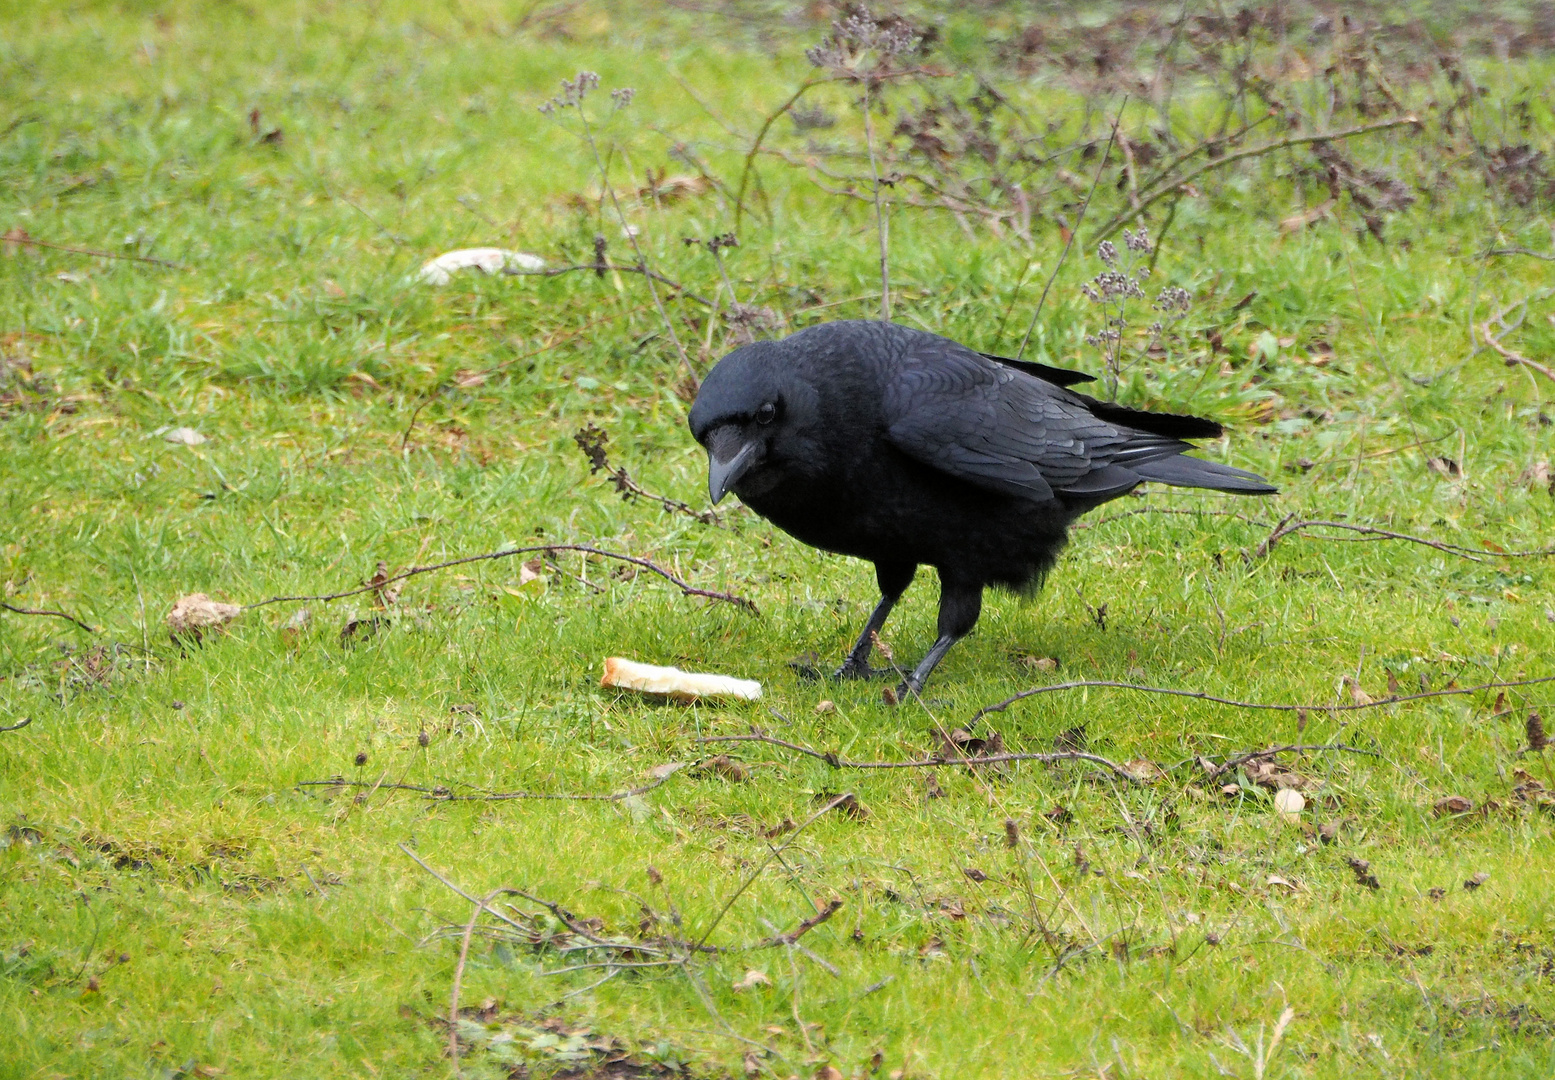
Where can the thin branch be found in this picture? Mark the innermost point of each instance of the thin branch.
(592, 440)
(554, 271)
(18, 727)
(1287, 527)
(803, 928)
(12, 238)
(882, 232)
(1074, 232)
(1293, 748)
(445, 794)
(1201, 695)
(925, 763)
(464, 954)
(1547, 256)
(55, 614)
(646, 564)
(755, 147)
(772, 855)
(1173, 183)
(1493, 339)
(631, 235)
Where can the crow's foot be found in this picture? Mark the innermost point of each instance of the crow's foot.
(860, 669)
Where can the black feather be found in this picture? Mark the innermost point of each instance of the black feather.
(1056, 376)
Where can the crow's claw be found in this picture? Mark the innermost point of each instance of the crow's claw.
(851, 670)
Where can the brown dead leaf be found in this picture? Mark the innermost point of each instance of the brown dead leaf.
(196, 613)
(974, 874)
(465, 379)
(1452, 805)
(828, 1072)
(726, 767)
(1539, 477)
(825, 708)
(1445, 466)
(1308, 217)
(1476, 881)
(1144, 770)
(15, 239)
(1362, 871)
(1357, 695)
(1040, 663)
(849, 804)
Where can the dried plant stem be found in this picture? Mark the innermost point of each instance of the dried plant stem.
(481, 905)
(774, 854)
(1201, 695)
(30, 242)
(45, 611)
(1288, 526)
(1165, 187)
(587, 549)
(17, 727)
(598, 267)
(881, 226)
(442, 793)
(1074, 232)
(642, 260)
(923, 763)
(761, 135)
(1493, 338)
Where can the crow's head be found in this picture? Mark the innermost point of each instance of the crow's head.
(751, 406)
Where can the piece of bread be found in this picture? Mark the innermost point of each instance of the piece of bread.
(683, 686)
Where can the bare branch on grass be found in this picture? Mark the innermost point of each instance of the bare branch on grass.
(1288, 526)
(17, 727)
(1201, 695)
(45, 611)
(587, 549)
(18, 236)
(1497, 327)
(924, 763)
(441, 793)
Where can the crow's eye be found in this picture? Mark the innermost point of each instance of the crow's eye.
(766, 414)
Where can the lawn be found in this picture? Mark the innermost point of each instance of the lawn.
(257, 850)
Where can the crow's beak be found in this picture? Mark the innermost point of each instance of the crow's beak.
(723, 472)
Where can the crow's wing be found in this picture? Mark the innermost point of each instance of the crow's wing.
(1005, 431)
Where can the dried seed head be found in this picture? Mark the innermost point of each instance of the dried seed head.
(654, 877)
(361, 758)
(1537, 740)
(1011, 833)
(622, 97)
(1107, 252)
(1138, 241)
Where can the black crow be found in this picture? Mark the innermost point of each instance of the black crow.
(904, 448)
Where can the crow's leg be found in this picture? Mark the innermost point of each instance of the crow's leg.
(959, 606)
(893, 579)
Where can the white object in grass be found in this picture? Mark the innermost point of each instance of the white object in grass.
(684, 686)
(488, 260)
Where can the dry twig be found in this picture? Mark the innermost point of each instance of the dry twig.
(55, 614)
(924, 763)
(587, 549)
(1265, 706)
(17, 727)
(16, 237)
(1502, 328)
(1288, 526)
(441, 793)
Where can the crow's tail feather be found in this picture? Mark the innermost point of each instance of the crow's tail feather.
(1179, 470)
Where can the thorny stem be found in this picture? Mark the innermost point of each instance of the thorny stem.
(631, 235)
(881, 227)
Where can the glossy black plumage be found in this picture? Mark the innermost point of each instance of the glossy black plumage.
(905, 448)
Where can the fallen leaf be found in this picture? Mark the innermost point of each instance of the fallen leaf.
(184, 436)
(1284, 883)
(752, 979)
(1144, 771)
(1040, 663)
(1362, 871)
(1308, 217)
(1476, 881)
(196, 613)
(1452, 805)
(974, 874)
(849, 804)
(825, 708)
(724, 766)
(1445, 466)
(828, 1072)
(529, 571)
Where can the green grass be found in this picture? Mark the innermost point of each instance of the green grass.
(173, 903)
